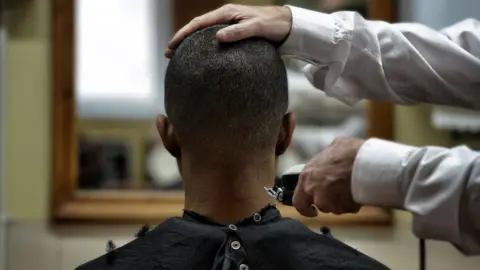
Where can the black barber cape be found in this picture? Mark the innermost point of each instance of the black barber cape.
(265, 241)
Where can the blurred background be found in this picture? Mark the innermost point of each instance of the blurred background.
(119, 149)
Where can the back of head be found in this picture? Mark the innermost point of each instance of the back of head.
(225, 97)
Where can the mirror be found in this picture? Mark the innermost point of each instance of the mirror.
(109, 162)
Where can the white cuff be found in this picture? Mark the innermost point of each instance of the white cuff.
(376, 173)
(322, 40)
(311, 37)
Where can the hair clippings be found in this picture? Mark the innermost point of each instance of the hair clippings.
(143, 231)
(111, 254)
(326, 231)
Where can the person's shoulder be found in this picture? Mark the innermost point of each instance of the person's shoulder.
(321, 247)
(136, 254)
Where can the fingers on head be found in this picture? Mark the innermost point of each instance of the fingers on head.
(220, 15)
(168, 53)
(239, 31)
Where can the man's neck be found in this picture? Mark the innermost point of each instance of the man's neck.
(227, 194)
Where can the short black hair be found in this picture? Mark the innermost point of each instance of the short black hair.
(226, 96)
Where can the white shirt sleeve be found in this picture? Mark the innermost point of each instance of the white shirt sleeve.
(439, 186)
(351, 58)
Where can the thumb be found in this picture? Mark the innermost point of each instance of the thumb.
(239, 31)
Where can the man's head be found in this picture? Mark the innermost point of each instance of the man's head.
(225, 99)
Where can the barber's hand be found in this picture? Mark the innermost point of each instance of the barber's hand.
(326, 180)
(272, 23)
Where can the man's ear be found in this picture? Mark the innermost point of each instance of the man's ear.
(169, 139)
(286, 132)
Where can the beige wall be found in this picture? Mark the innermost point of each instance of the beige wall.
(33, 244)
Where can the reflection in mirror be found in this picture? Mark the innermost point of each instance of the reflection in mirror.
(320, 119)
(119, 69)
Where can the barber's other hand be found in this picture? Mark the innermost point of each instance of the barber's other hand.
(326, 180)
(272, 23)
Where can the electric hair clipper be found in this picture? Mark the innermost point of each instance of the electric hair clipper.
(282, 190)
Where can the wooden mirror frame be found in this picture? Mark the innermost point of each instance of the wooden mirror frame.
(69, 205)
